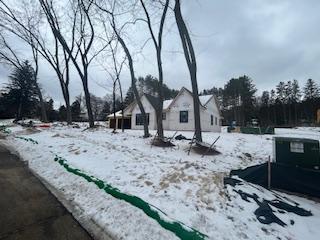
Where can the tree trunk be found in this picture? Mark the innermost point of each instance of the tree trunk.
(88, 102)
(133, 83)
(66, 89)
(68, 109)
(295, 114)
(159, 111)
(122, 106)
(44, 117)
(275, 114)
(158, 47)
(192, 65)
(114, 106)
(19, 117)
(284, 113)
(66, 97)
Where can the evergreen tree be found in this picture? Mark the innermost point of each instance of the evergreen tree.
(288, 101)
(281, 90)
(149, 85)
(295, 93)
(239, 95)
(52, 114)
(295, 98)
(311, 100)
(22, 90)
(273, 101)
(105, 110)
(76, 110)
(265, 98)
(311, 90)
(129, 98)
(62, 113)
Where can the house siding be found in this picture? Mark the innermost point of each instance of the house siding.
(211, 109)
(148, 109)
(184, 102)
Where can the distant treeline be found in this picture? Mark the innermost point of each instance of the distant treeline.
(286, 105)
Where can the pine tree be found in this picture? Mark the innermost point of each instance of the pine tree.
(282, 98)
(265, 98)
(295, 93)
(311, 90)
(273, 100)
(106, 110)
(311, 99)
(76, 110)
(295, 98)
(239, 95)
(23, 89)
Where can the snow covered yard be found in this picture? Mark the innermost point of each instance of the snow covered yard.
(188, 189)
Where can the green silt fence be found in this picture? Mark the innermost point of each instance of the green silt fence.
(178, 228)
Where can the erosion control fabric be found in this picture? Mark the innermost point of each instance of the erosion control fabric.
(178, 228)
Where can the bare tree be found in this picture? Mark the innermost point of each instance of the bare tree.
(35, 54)
(115, 73)
(23, 27)
(117, 31)
(158, 46)
(116, 80)
(83, 18)
(192, 66)
(10, 56)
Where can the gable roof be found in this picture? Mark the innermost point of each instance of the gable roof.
(204, 99)
(154, 101)
(166, 103)
(118, 114)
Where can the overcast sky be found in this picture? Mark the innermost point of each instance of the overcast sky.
(270, 41)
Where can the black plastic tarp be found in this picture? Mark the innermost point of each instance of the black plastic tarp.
(289, 178)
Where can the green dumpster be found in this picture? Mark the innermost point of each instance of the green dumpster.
(299, 152)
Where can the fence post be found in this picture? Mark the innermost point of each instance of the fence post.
(269, 173)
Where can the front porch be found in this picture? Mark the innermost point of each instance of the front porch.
(116, 121)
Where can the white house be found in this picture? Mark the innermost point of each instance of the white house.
(177, 113)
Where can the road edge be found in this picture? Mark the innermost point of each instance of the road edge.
(91, 226)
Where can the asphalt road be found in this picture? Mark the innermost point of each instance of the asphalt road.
(28, 210)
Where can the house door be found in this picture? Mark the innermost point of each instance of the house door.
(126, 123)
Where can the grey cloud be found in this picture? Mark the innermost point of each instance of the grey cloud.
(270, 41)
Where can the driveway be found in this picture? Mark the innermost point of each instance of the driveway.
(28, 210)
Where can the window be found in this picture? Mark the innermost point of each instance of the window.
(139, 119)
(183, 116)
(164, 116)
(211, 120)
(216, 121)
(296, 147)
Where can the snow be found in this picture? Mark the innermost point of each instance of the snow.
(166, 103)
(188, 188)
(118, 114)
(204, 99)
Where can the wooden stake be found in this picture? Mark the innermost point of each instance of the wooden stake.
(210, 147)
(194, 135)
